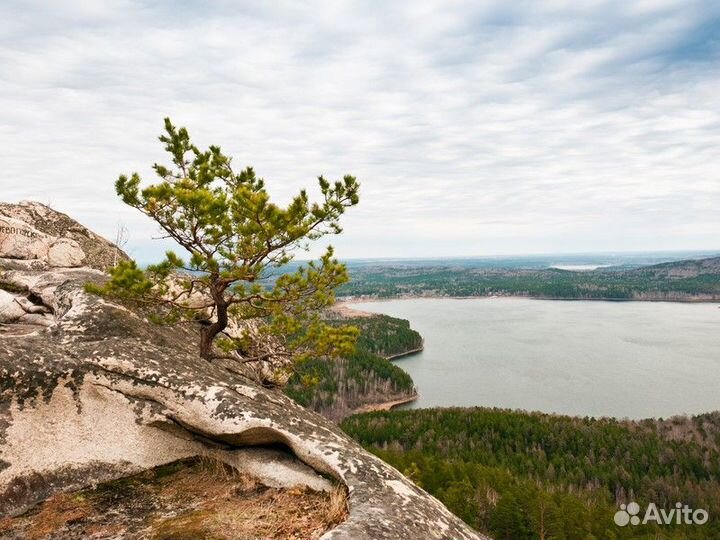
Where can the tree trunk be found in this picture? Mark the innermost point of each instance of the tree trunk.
(208, 333)
(206, 341)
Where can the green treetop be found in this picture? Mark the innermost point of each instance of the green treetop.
(233, 234)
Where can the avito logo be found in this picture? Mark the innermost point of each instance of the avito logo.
(680, 515)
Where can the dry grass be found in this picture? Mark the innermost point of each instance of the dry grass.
(62, 509)
(216, 469)
(337, 511)
(202, 499)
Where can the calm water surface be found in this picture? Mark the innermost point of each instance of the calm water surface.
(623, 359)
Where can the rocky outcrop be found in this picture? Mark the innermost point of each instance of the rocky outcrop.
(18, 309)
(34, 231)
(101, 393)
(19, 240)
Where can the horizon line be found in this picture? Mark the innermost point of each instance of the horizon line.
(708, 252)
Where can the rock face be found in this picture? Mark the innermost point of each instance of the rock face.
(33, 231)
(18, 240)
(98, 392)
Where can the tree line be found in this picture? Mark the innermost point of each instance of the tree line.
(335, 387)
(655, 282)
(530, 476)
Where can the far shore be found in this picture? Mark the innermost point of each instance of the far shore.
(365, 299)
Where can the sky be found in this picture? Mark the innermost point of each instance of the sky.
(475, 128)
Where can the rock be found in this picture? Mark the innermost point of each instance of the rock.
(276, 468)
(189, 499)
(65, 252)
(29, 307)
(10, 309)
(26, 265)
(104, 394)
(19, 240)
(36, 319)
(33, 231)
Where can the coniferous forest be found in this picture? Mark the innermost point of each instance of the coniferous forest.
(529, 476)
(336, 388)
(677, 281)
(518, 475)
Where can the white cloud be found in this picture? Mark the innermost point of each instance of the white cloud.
(475, 128)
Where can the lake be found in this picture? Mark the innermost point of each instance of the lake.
(622, 359)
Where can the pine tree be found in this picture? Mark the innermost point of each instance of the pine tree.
(233, 235)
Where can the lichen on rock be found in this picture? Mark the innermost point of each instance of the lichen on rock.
(101, 393)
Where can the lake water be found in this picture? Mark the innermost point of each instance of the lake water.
(622, 359)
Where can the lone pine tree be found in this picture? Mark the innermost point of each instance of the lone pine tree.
(234, 235)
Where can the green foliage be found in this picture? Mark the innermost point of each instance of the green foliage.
(320, 385)
(362, 377)
(233, 234)
(654, 282)
(127, 280)
(386, 336)
(523, 475)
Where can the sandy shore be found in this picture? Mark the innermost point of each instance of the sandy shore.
(405, 353)
(384, 406)
(343, 309)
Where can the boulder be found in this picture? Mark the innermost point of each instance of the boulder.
(65, 252)
(29, 307)
(34, 231)
(10, 309)
(36, 319)
(19, 240)
(103, 393)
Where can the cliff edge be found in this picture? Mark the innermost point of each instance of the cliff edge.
(90, 391)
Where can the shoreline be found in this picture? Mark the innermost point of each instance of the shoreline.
(346, 310)
(405, 353)
(383, 406)
(361, 300)
(347, 307)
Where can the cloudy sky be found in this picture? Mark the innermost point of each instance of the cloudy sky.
(476, 128)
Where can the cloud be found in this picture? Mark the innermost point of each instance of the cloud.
(475, 128)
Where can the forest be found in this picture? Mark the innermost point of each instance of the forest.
(512, 474)
(533, 476)
(683, 280)
(336, 388)
(384, 335)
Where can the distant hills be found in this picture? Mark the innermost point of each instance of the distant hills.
(682, 269)
(694, 280)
